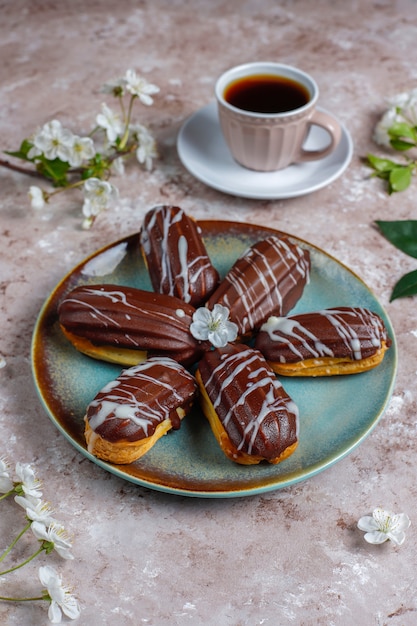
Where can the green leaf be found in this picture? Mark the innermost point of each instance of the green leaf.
(54, 170)
(22, 153)
(381, 165)
(98, 166)
(400, 178)
(406, 286)
(401, 233)
(402, 129)
(401, 145)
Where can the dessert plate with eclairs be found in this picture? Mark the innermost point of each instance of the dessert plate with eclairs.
(323, 416)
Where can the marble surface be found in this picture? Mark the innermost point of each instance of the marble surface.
(293, 556)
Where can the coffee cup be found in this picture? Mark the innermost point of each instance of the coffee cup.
(266, 110)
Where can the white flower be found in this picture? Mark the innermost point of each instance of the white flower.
(402, 109)
(98, 194)
(409, 108)
(381, 135)
(62, 601)
(140, 87)
(87, 222)
(56, 535)
(111, 123)
(37, 197)
(6, 483)
(53, 141)
(36, 509)
(384, 525)
(146, 150)
(213, 325)
(81, 150)
(406, 104)
(118, 166)
(30, 484)
(115, 87)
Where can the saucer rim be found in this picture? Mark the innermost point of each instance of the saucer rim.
(191, 165)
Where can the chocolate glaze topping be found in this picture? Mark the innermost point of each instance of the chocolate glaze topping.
(131, 407)
(355, 333)
(124, 317)
(176, 256)
(268, 279)
(253, 407)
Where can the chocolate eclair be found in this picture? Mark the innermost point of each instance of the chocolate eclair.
(342, 340)
(250, 414)
(268, 279)
(126, 325)
(129, 415)
(176, 256)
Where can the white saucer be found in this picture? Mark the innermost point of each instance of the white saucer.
(204, 153)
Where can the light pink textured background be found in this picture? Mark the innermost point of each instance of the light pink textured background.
(290, 557)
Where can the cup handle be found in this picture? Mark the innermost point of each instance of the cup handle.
(333, 128)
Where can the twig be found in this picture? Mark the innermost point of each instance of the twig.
(21, 170)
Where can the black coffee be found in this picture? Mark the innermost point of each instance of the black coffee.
(266, 93)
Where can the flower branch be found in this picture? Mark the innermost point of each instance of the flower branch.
(20, 169)
(68, 161)
(51, 535)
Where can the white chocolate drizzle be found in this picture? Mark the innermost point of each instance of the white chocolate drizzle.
(190, 269)
(120, 400)
(120, 298)
(258, 380)
(293, 259)
(292, 333)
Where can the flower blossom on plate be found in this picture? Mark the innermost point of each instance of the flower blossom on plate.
(55, 536)
(110, 122)
(37, 197)
(29, 484)
(140, 87)
(6, 483)
(53, 141)
(62, 601)
(384, 525)
(213, 326)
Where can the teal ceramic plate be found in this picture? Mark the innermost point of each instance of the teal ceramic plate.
(336, 414)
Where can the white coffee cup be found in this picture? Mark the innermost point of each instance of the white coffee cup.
(271, 139)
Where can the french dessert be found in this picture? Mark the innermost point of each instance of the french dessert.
(176, 256)
(268, 279)
(126, 325)
(343, 340)
(250, 414)
(130, 414)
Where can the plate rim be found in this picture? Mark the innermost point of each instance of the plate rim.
(259, 194)
(313, 470)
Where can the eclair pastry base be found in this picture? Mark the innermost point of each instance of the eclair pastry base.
(124, 452)
(111, 354)
(329, 366)
(223, 439)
